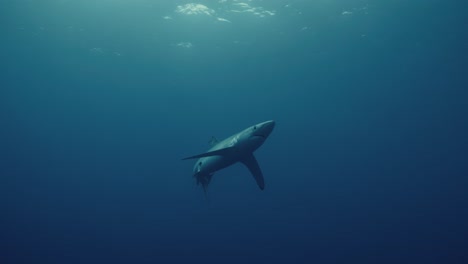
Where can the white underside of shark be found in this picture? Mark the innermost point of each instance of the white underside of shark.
(236, 148)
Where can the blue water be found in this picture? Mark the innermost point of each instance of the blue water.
(100, 99)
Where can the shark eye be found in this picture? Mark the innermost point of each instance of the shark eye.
(255, 127)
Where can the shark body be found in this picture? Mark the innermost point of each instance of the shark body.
(236, 148)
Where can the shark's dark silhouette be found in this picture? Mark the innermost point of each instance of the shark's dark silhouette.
(236, 148)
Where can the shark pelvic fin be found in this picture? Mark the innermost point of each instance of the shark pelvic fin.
(219, 152)
(251, 163)
(204, 180)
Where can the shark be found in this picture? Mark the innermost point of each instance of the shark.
(236, 148)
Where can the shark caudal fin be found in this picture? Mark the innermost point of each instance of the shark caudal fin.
(219, 152)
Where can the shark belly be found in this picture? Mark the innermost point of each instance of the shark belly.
(212, 164)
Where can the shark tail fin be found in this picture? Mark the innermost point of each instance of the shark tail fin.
(218, 152)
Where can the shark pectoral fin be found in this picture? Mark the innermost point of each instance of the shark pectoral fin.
(219, 152)
(251, 163)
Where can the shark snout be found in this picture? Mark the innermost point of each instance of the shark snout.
(264, 129)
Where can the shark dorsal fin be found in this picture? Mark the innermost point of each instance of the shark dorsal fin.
(219, 152)
(213, 141)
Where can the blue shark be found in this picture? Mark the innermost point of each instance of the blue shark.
(236, 148)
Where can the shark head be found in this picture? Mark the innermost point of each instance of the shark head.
(263, 129)
(255, 136)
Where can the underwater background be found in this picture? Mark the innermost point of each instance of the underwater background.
(100, 100)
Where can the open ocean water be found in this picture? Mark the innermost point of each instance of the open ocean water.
(100, 100)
